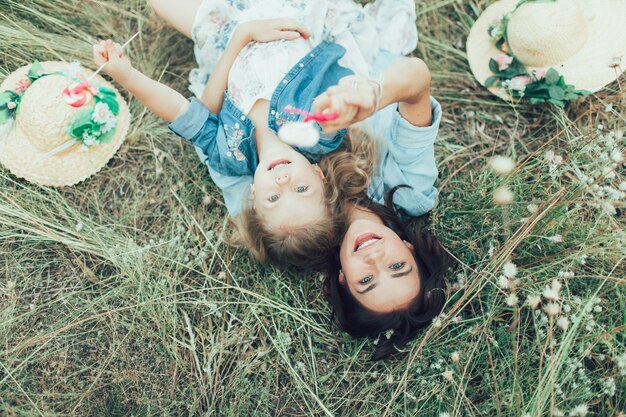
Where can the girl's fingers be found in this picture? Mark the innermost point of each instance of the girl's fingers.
(289, 35)
(361, 100)
(321, 103)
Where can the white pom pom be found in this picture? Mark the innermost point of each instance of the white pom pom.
(299, 134)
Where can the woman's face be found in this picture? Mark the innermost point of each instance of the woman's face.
(377, 266)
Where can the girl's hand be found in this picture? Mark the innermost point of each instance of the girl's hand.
(273, 29)
(354, 98)
(118, 66)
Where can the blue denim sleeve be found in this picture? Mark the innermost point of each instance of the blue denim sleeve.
(236, 190)
(409, 159)
(199, 126)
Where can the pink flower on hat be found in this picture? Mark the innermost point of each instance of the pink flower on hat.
(22, 85)
(539, 74)
(519, 83)
(11, 105)
(503, 61)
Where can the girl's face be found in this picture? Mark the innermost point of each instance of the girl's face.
(288, 190)
(377, 266)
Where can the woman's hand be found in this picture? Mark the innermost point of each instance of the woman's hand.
(118, 66)
(272, 29)
(354, 99)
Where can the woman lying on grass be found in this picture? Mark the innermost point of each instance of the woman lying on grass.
(249, 71)
(386, 277)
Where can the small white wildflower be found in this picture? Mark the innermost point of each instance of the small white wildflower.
(558, 159)
(533, 301)
(597, 309)
(552, 309)
(389, 333)
(390, 379)
(503, 196)
(557, 412)
(567, 308)
(455, 356)
(501, 165)
(512, 300)
(509, 269)
(556, 285)
(549, 155)
(532, 208)
(563, 323)
(78, 227)
(437, 322)
(622, 186)
(617, 156)
(579, 411)
(503, 282)
(556, 238)
(448, 374)
(550, 294)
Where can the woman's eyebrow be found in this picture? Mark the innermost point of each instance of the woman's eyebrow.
(402, 274)
(370, 288)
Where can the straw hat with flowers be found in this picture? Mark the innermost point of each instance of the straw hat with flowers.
(58, 125)
(548, 50)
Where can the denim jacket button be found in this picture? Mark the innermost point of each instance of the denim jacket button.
(243, 117)
(273, 112)
(301, 65)
(285, 81)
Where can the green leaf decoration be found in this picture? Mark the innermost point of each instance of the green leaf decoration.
(36, 71)
(108, 97)
(552, 77)
(558, 103)
(107, 137)
(489, 81)
(82, 122)
(556, 92)
(5, 114)
(582, 92)
(493, 66)
(7, 96)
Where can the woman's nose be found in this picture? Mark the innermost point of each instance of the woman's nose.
(282, 179)
(374, 255)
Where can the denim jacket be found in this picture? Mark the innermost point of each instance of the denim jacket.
(226, 142)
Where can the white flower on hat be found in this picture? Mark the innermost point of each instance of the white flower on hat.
(518, 83)
(101, 113)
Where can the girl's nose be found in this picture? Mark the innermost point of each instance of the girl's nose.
(282, 179)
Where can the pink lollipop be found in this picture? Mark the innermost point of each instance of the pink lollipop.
(79, 94)
(318, 117)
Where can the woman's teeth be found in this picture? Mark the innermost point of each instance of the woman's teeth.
(366, 244)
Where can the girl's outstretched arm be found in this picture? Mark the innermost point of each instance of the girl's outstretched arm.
(162, 100)
(255, 30)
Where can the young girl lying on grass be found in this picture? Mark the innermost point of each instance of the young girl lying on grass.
(266, 66)
(387, 280)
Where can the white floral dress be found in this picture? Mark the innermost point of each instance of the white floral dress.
(362, 31)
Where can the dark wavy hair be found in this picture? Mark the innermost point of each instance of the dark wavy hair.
(432, 263)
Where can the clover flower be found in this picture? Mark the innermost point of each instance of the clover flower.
(512, 300)
(563, 323)
(501, 165)
(503, 196)
(533, 301)
(509, 269)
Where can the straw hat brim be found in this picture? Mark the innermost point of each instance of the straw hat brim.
(588, 69)
(65, 168)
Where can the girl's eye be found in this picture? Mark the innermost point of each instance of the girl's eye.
(366, 279)
(301, 189)
(275, 197)
(397, 265)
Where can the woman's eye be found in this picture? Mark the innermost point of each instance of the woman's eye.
(301, 189)
(273, 198)
(397, 265)
(366, 279)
